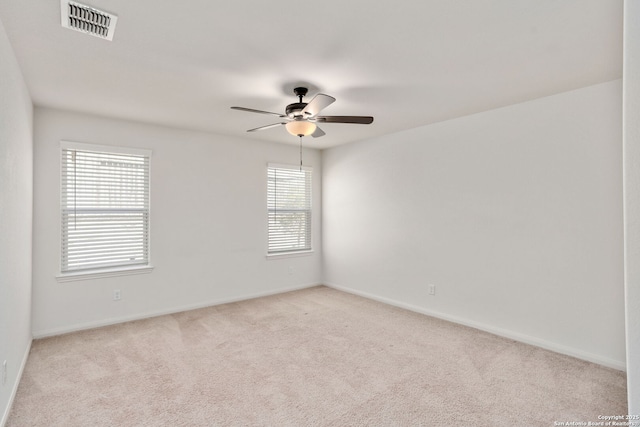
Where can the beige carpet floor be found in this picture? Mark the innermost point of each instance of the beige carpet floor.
(316, 357)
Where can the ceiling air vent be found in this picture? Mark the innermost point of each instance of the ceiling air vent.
(86, 19)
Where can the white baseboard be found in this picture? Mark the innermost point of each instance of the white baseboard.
(14, 389)
(115, 320)
(547, 345)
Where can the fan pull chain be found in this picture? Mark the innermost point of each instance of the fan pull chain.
(300, 153)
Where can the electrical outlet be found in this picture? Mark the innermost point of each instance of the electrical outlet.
(291, 270)
(116, 295)
(432, 289)
(4, 372)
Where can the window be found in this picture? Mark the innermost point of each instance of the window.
(105, 208)
(289, 209)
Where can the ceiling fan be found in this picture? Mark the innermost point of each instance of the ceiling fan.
(300, 118)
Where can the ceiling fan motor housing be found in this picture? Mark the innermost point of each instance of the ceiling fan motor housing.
(295, 110)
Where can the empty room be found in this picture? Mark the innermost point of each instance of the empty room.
(418, 213)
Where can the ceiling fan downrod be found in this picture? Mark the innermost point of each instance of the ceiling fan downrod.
(300, 92)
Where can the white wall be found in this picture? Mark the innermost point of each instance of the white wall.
(16, 196)
(514, 214)
(631, 134)
(208, 224)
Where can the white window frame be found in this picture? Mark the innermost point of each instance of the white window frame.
(68, 274)
(306, 206)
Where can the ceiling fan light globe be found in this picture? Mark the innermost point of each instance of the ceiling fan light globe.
(300, 128)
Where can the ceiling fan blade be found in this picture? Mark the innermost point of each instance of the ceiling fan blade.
(363, 120)
(251, 110)
(318, 102)
(267, 127)
(318, 133)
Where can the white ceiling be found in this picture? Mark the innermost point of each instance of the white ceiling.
(407, 63)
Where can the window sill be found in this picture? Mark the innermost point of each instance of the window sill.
(289, 254)
(99, 274)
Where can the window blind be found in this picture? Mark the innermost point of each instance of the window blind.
(105, 209)
(289, 209)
